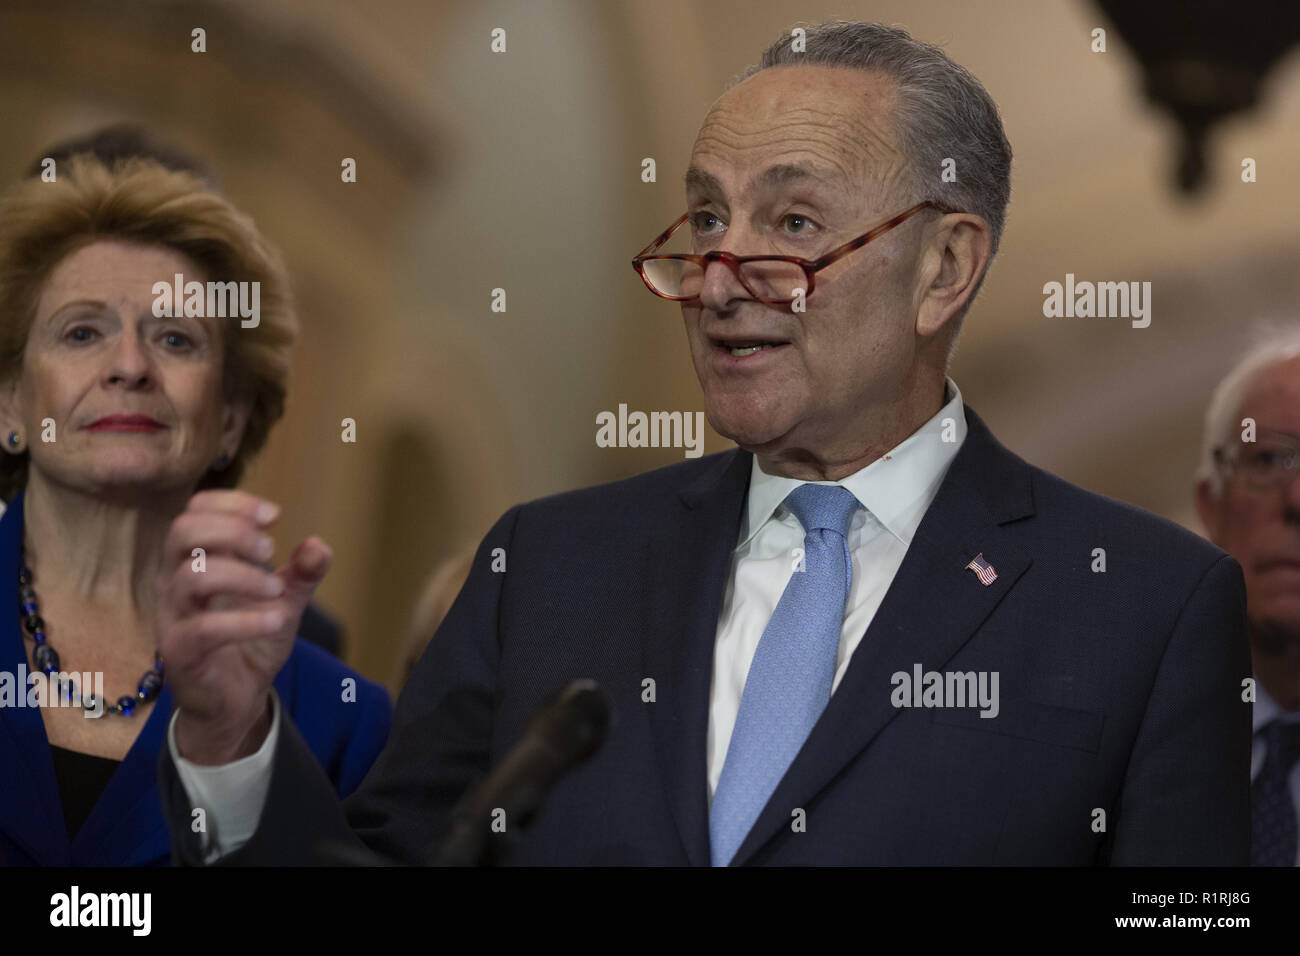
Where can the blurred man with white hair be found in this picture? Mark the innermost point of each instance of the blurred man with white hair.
(1249, 501)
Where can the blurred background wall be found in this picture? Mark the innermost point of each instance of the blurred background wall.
(522, 171)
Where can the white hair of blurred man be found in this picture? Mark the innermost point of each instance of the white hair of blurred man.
(1272, 343)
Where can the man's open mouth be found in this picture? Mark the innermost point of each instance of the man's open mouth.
(742, 348)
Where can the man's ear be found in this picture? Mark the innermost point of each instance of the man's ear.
(1208, 508)
(952, 265)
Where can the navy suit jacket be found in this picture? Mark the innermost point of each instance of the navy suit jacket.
(1122, 736)
(126, 826)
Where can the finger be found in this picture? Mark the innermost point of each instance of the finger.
(215, 533)
(307, 566)
(231, 501)
(191, 639)
(208, 630)
(226, 577)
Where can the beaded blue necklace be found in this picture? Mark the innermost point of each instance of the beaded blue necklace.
(46, 660)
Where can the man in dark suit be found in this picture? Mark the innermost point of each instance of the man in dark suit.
(1248, 499)
(871, 635)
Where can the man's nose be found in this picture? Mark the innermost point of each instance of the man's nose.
(721, 289)
(1291, 500)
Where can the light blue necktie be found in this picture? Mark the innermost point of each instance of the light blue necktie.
(789, 680)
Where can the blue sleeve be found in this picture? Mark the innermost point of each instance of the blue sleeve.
(363, 745)
(343, 717)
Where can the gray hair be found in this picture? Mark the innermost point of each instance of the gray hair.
(942, 112)
(1274, 344)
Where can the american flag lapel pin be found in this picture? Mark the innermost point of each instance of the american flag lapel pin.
(983, 570)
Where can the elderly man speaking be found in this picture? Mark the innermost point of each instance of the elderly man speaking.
(870, 635)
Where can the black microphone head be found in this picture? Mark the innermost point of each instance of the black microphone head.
(576, 720)
(566, 730)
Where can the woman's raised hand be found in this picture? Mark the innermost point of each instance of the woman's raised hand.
(225, 625)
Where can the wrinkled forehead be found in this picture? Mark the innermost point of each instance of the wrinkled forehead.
(116, 268)
(116, 275)
(833, 124)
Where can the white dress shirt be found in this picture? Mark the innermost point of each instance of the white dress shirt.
(231, 795)
(1264, 711)
(894, 491)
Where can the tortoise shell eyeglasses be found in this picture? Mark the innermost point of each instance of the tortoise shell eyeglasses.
(773, 280)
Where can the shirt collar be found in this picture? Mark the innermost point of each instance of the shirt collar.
(896, 488)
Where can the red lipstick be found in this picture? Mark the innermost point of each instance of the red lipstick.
(125, 423)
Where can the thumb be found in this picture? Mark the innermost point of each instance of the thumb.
(306, 567)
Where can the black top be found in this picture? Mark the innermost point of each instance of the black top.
(81, 779)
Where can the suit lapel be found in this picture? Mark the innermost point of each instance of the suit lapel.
(931, 609)
(126, 826)
(687, 566)
(31, 813)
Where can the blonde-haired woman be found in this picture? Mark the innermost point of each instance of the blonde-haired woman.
(113, 414)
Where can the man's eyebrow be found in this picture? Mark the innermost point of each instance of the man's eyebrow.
(697, 180)
(1278, 433)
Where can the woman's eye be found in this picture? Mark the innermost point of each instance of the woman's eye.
(81, 333)
(177, 340)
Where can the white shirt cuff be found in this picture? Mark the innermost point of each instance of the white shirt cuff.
(232, 795)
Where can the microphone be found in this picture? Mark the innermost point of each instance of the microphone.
(564, 732)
